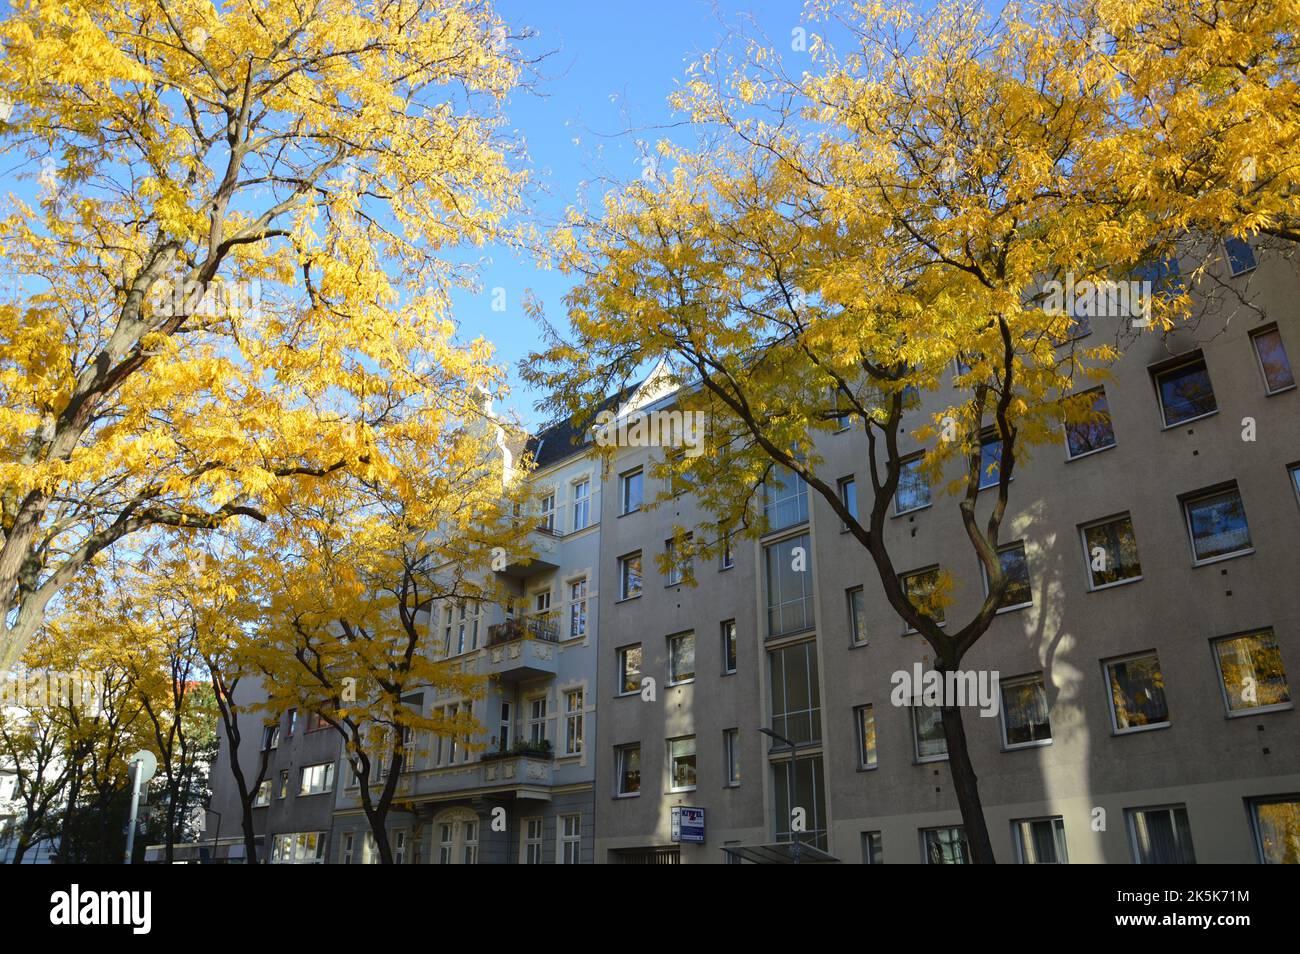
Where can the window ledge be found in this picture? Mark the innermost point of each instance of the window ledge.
(1014, 608)
(1017, 746)
(1289, 387)
(1190, 420)
(627, 599)
(1091, 453)
(1115, 583)
(623, 795)
(1131, 730)
(680, 682)
(1226, 556)
(904, 513)
(1261, 710)
(859, 644)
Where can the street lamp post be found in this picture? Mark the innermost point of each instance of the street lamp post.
(789, 784)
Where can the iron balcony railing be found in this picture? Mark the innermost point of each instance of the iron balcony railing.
(530, 627)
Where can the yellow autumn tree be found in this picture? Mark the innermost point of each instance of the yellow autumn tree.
(853, 237)
(355, 583)
(233, 260)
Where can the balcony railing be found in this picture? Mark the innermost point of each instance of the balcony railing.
(545, 628)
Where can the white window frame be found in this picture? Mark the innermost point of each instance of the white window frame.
(902, 582)
(347, 847)
(860, 733)
(581, 586)
(730, 648)
(530, 845)
(1223, 684)
(620, 755)
(1199, 497)
(1007, 744)
(857, 626)
(1227, 257)
(581, 503)
(847, 490)
(1130, 818)
(575, 717)
(547, 512)
(731, 757)
(622, 669)
(672, 761)
(1114, 439)
(531, 720)
(1254, 803)
(1177, 365)
(1018, 838)
(399, 846)
(1094, 587)
(904, 461)
(624, 484)
(624, 591)
(326, 773)
(917, 757)
(564, 840)
(1255, 335)
(1007, 547)
(727, 558)
(1115, 729)
(672, 676)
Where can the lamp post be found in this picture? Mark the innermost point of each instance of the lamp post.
(794, 755)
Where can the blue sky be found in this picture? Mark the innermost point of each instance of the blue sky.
(613, 67)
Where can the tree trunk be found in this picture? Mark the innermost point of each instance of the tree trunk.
(966, 784)
(20, 849)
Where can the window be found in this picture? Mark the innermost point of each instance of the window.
(796, 693)
(920, 587)
(1294, 471)
(1251, 673)
(931, 744)
(808, 792)
(728, 647)
(573, 729)
(990, 459)
(532, 848)
(537, 720)
(629, 669)
(632, 484)
(1095, 431)
(298, 848)
(316, 779)
(1277, 829)
(1185, 391)
(1040, 841)
(857, 615)
(1024, 712)
(1137, 693)
(731, 756)
(1164, 275)
(627, 758)
(542, 602)
(946, 846)
(1161, 836)
(270, 736)
(293, 722)
(469, 831)
(849, 497)
(369, 850)
(872, 851)
(1015, 566)
(446, 843)
(1273, 361)
(570, 839)
(629, 576)
(1217, 524)
(865, 717)
(785, 500)
(913, 491)
(399, 846)
(578, 608)
(789, 586)
(681, 658)
(581, 504)
(316, 722)
(506, 727)
(548, 513)
(728, 559)
(349, 840)
(263, 797)
(1110, 552)
(678, 569)
(283, 791)
(681, 764)
(1241, 257)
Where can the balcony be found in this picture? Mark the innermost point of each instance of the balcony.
(522, 649)
(544, 544)
(527, 776)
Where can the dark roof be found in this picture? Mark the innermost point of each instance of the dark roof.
(566, 438)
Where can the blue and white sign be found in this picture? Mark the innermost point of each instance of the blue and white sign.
(687, 825)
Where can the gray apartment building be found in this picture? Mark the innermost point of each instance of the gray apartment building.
(1146, 652)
